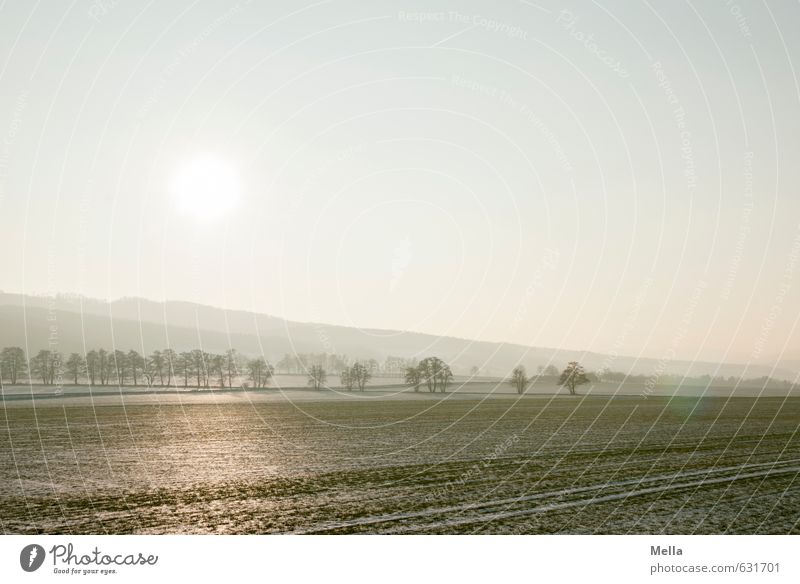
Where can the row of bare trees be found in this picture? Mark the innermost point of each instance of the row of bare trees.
(197, 368)
(356, 375)
(13, 364)
(301, 363)
(165, 368)
(431, 372)
(352, 376)
(572, 376)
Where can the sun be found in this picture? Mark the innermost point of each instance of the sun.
(206, 188)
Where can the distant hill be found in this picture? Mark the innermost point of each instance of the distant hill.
(145, 325)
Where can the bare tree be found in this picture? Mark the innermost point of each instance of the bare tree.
(519, 380)
(198, 367)
(260, 372)
(361, 375)
(428, 368)
(121, 366)
(346, 378)
(413, 377)
(317, 376)
(74, 366)
(136, 364)
(184, 362)
(170, 363)
(231, 364)
(54, 366)
(40, 366)
(46, 365)
(156, 366)
(103, 364)
(12, 364)
(445, 377)
(573, 376)
(208, 368)
(92, 365)
(435, 373)
(218, 367)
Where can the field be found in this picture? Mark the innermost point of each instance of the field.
(422, 464)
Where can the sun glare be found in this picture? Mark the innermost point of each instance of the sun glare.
(206, 188)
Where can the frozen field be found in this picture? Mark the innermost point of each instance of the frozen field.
(293, 388)
(247, 462)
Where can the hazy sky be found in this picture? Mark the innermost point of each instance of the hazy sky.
(618, 177)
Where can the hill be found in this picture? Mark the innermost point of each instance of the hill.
(74, 323)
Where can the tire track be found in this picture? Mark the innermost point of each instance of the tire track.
(776, 467)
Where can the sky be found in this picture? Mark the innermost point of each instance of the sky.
(585, 175)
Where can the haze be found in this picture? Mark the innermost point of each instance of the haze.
(469, 169)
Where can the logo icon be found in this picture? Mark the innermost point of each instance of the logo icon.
(31, 557)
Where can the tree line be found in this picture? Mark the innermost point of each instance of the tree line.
(431, 372)
(301, 363)
(575, 375)
(98, 367)
(571, 377)
(202, 369)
